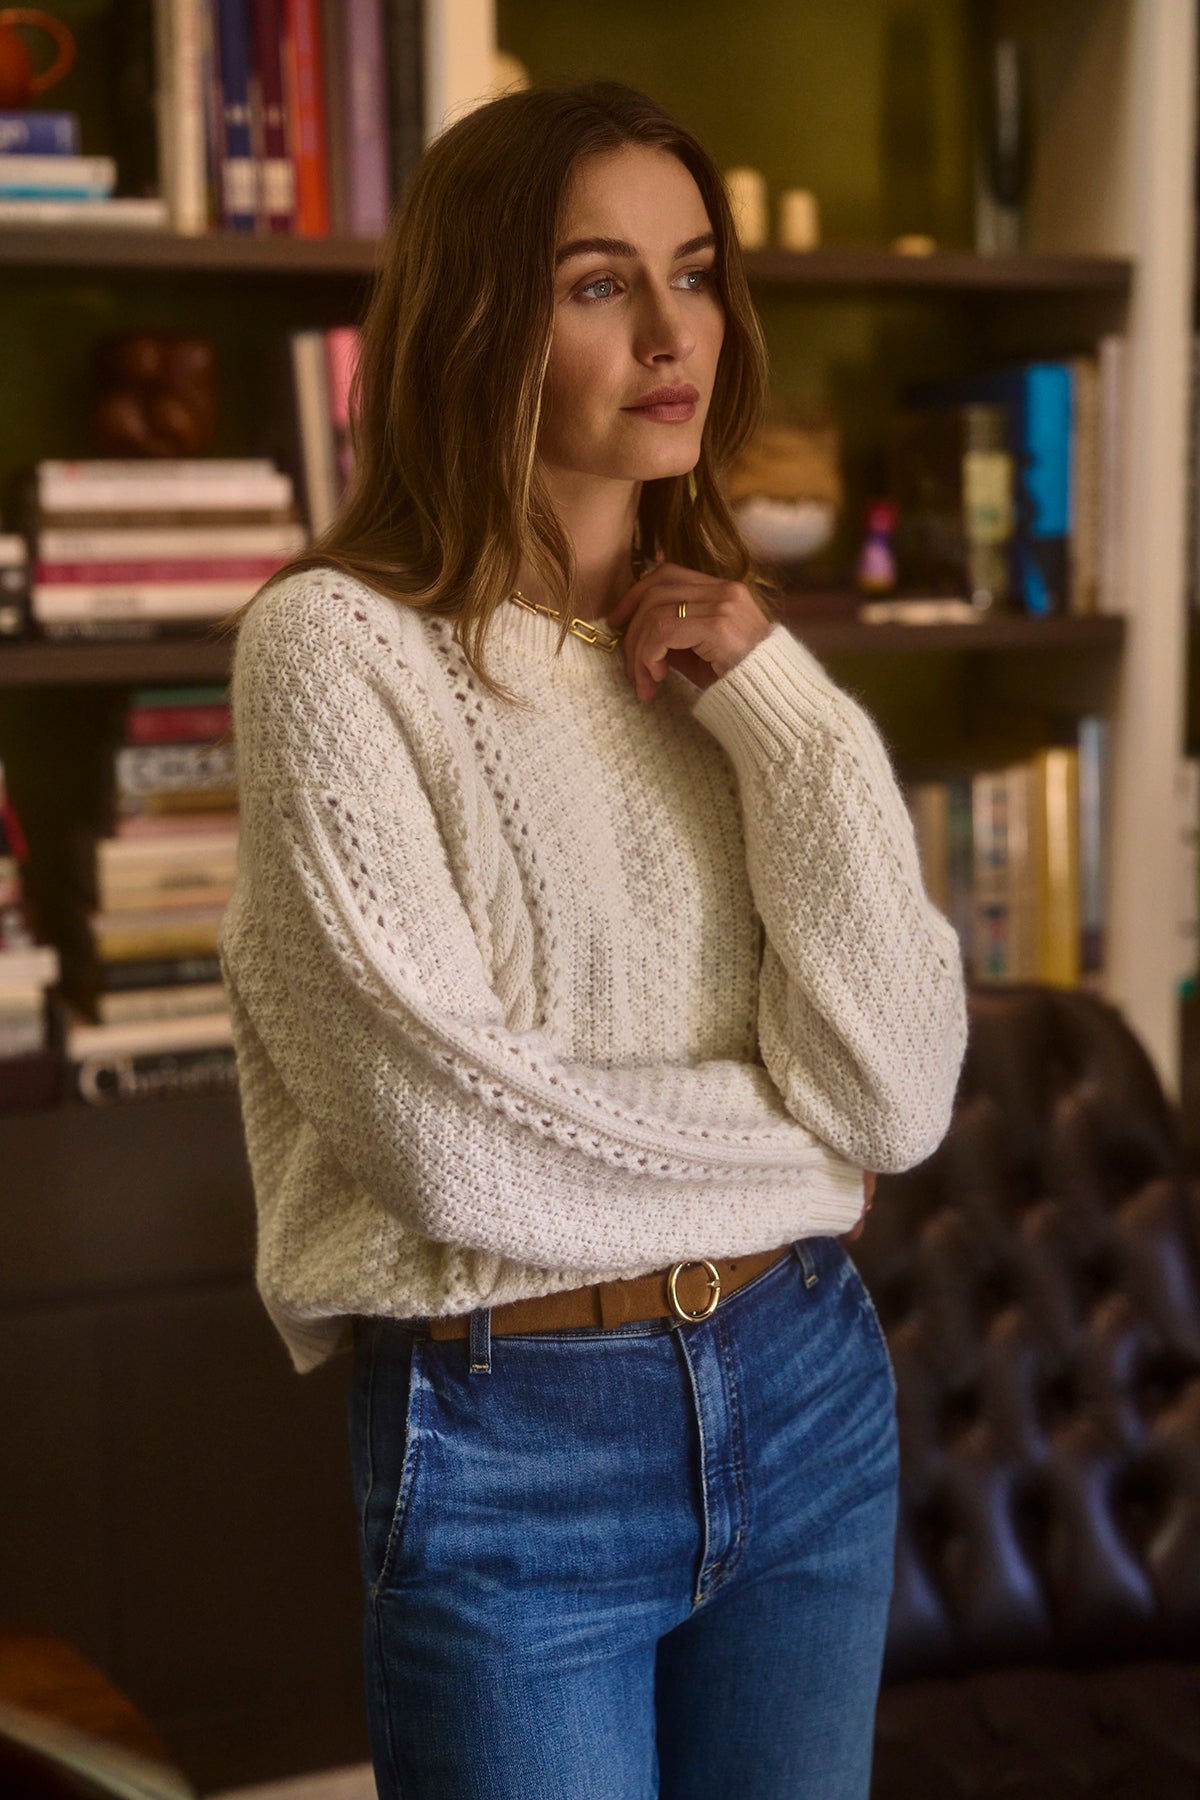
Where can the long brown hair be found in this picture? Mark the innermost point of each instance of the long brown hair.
(446, 498)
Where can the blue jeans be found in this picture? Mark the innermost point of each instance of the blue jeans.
(650, 1561)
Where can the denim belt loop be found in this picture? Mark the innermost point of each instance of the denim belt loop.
(807, 1262)
(481, 1341)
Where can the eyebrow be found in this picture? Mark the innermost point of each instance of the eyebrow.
(602, 246)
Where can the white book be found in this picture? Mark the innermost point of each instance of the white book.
(92, 544)
(179, 103)
(119, 213)
(31, 965)
(58, 171)
(188, 1032)
(58, 600)
(310, 385)
(151, 492)
(131, 853)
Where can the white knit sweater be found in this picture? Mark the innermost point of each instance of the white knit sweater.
(527, 999)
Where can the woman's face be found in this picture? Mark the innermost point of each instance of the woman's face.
(636, 308)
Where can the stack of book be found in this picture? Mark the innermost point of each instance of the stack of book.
(45, 180)
(28, 970)
(1013, 852)
(291, 117)
(1009, 485)
(141, 973)
(133, 548)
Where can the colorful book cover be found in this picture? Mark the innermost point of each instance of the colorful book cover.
(366, 109)
(303, 74)
(239, 174)
(277, 175)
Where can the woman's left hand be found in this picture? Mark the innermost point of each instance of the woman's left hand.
(723, 623)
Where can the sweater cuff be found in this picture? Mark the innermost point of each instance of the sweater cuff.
(760, 708)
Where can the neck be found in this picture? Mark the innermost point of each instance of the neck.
(598, 515)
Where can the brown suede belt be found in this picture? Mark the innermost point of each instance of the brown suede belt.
(687, 1290)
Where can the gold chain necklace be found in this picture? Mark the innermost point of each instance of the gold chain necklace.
(582, 628)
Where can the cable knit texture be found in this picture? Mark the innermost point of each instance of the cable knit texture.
(525, 999)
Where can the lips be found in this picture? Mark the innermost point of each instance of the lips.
(666, 406)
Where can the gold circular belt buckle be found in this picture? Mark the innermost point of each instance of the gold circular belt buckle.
(714, 1282)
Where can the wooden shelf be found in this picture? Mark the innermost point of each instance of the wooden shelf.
(209, 659)
(862, 268)
(115, 661)
(832, 637)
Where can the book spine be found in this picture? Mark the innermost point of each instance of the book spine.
(1092, 734)
(107, 603)
(310, 380)
(277, 183)
(39, 134)
(183, 971)
(239, 197)
(140, 768)
(233, 540)
(408, 46)
(367, 149)
(153, 492)
(94, 173)
(176, 724)
(108, 1080)
(333, 58)
(342, 346)
(202, 569)
(1083, 583)
(303, 82)
(180, 97)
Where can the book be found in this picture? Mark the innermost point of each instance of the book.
(39, 134)
(14, 586)
(276, 184)
(181, 89)
(1112, 360)
(59, 604)
(108, 1077)
(303, 80)
(1039, 400)
(333, 58)
(32, 176)
(118, 214)
(365, 72)
(342, 346)
(178, 1001)
(952, 479)
(459, 60)
(153, 932)
(231, 484)
(236, 164)
(311, 398)
(84, 544)
(177, 722)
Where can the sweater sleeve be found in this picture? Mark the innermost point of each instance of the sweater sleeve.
(862, 998)
(352, 965)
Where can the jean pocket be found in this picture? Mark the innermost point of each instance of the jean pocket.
(869, 1316)
(386, 1396)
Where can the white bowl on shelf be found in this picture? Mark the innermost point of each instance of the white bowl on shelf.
(785, 530)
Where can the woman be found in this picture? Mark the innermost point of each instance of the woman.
(576, 983)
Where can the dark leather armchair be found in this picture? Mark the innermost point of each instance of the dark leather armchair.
(1038, 1281)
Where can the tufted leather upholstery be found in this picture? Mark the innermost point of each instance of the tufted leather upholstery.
(1038, 1281)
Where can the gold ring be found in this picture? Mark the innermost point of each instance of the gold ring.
(683, 609)
(714, 1280)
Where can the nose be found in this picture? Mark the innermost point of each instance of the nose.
(664, 332)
